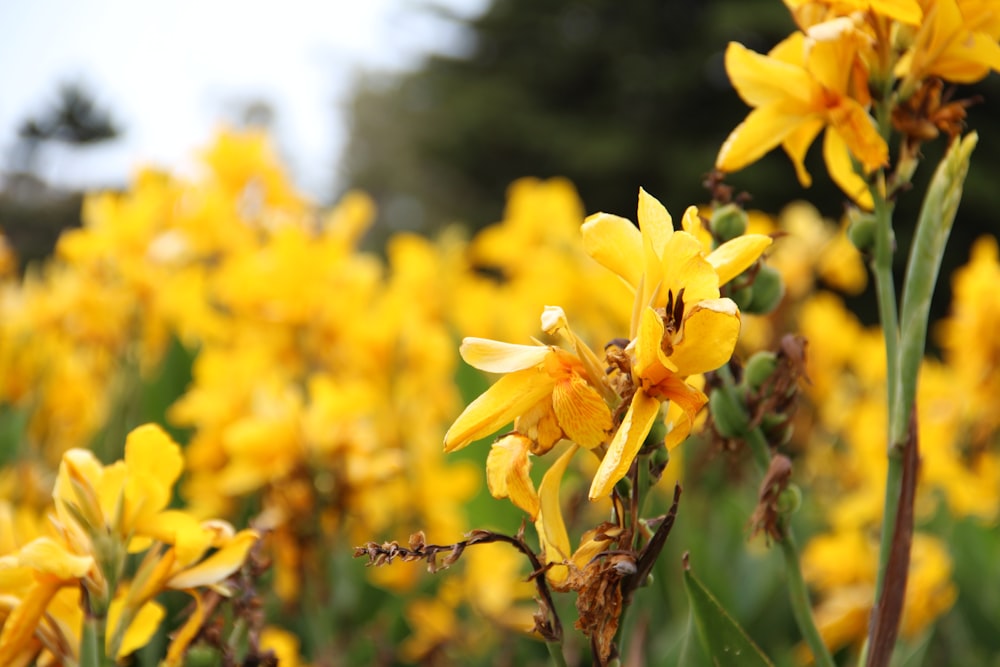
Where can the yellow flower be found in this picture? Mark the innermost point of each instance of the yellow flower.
(799, 88)
(680, 325)
(957, 41)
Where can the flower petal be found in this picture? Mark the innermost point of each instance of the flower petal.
(508, 398)
(46, 555)
(616, 244)
(507, 472)
(582, 413)
(708, 337)
(655, 222)
(761, 80)
(141, 627)
(734, 256)
(219, 565)
(838, 163)
(549, 524)
(625, 445)
(494, 356)
(763, 129)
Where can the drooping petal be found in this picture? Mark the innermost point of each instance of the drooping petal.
(838, 163)
(616, 244)
(219, 565)
(183, 637)
(797, 144)
(507, 473)
(549, 524)
(625, 445)
(708, 337)
(509, 397)
(764, 128)
(858, 131)
(736, 255)
(690, 401)
(494, 356)
(582, 413)
(593, 542)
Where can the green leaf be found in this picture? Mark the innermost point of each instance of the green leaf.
(723, 639)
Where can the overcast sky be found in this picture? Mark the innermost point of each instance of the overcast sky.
(171, 71)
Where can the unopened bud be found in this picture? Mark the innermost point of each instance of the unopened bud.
(790, 500)
(728, 222)
(861, 230)
(729, 416)
(768, 290)
(759, 368)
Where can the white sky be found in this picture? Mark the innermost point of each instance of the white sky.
(170, 72)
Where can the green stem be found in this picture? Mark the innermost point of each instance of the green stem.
(556, 653)
(798, 596)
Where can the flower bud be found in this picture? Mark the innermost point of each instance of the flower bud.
(728, 222)
(729, 416)
(760, 367)
(861, 231)
(768, 290)
(790, 500)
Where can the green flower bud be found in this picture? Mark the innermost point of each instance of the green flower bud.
(760, 367)
(861, 231)
(790, 500)
(768, 290)
(729, 416)
(728, 222)
(742, 296)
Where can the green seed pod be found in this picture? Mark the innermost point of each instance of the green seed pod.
(760, 367)
(861, 231)
(728, 222)
(790, 500)
(768, 290)
(730, 417)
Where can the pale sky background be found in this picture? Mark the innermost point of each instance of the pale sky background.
(170, 72)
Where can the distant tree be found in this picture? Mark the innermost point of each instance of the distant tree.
(73, 118)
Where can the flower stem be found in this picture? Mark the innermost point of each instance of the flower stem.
(798, 594)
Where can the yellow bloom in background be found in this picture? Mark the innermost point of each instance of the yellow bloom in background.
(803, 86)
(957, 41)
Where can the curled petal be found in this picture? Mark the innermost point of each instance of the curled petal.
(733, 257)
(508, 398)
(625, 445)
(651, 364)
(507, 473)
(494, 356)
(616, 244)
(708, 337)
(685, 403)
(187, 633)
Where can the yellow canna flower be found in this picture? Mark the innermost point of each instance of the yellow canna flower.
(680, 325)
(957, 41)
(800, 87)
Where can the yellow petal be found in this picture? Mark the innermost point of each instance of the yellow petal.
(905, 11)
(496, 357)
(708, 337)
(582, 413)
(507, 473)
(651, 364)
(219, 565)
(625, 445)
(654, 220)
(149, 450)
(762, 80)
(591, 544)
(797, 144)
(685, 403)
(616, 244)
(19, 627)
(685, 267)
(549, 525)
(763, 129)
(734, 256)
(187, 633)
(858, 131)
(141, 627)
(838, 163)
(46, 555)
(509, 397)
